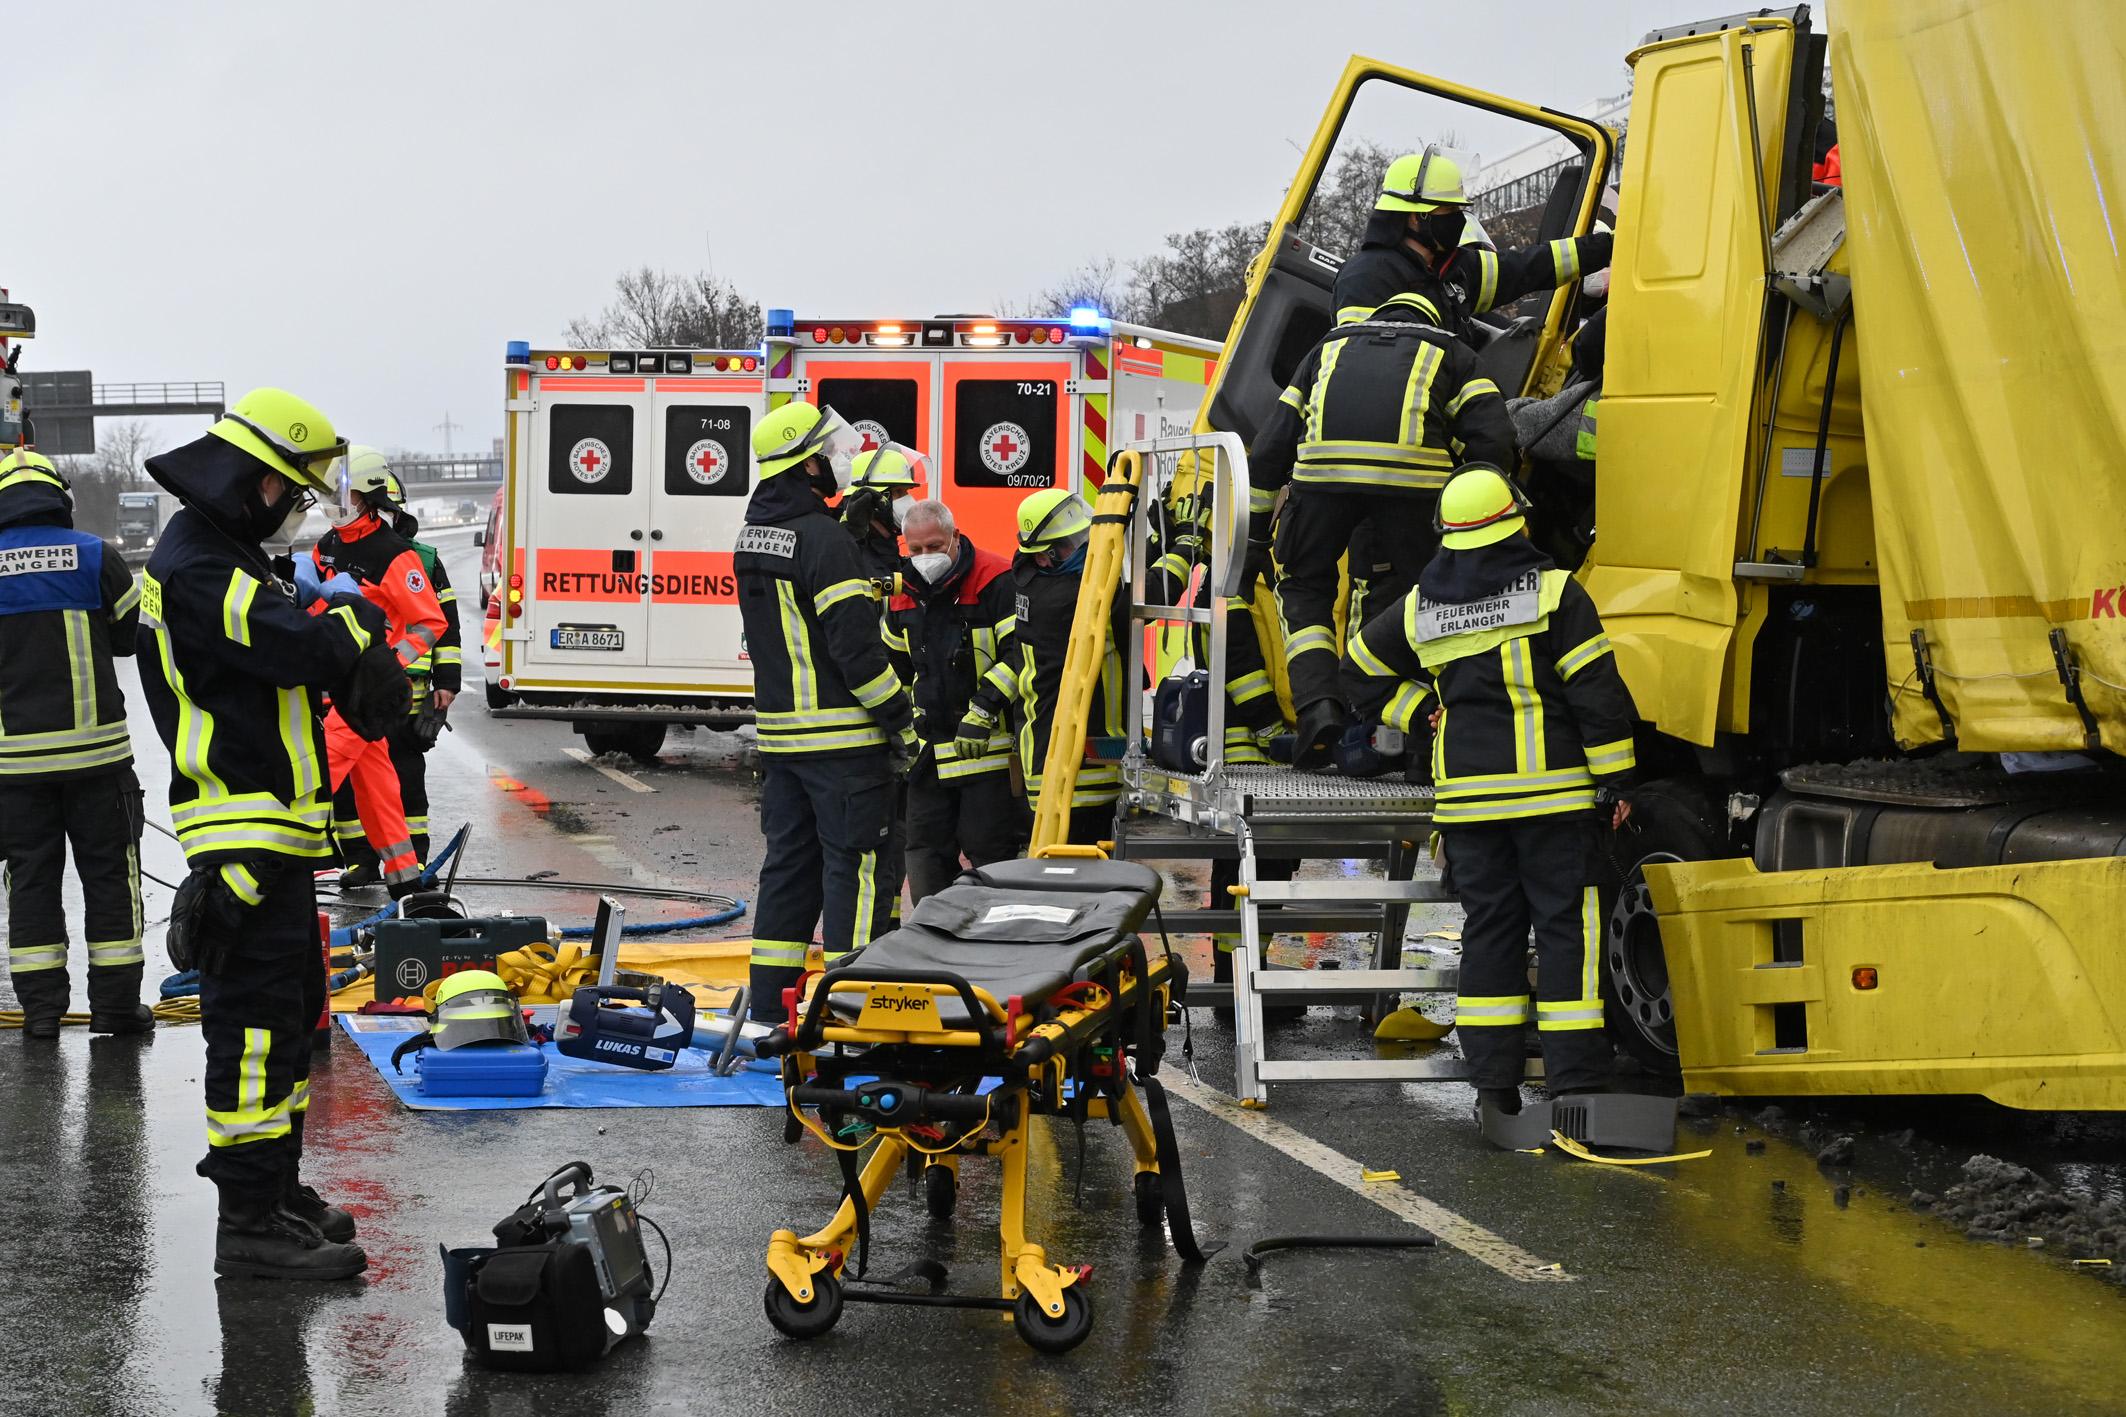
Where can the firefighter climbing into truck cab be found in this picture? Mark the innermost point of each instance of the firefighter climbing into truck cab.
(835, 724)
(1504, 654)
(436, 677)
(67, 605)
(1055, 527)
(1422, 242)
(1375, 418)
(369, 815)
(954, 610)
(231, 669)
(882, 486)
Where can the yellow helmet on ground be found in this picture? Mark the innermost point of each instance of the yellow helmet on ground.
(797, 431)
(475, 1006)
(1479, 506)
(888, 468)
(1050, 516)
(1422, 182)
(23, 466)
(289, 435)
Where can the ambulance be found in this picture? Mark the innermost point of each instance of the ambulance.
(627, 472)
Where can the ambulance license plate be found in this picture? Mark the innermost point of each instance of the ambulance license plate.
(588, 637)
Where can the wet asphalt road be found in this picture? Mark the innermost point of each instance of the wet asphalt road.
(1743, 1282)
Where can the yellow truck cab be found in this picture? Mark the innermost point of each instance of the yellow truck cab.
(1859, 535)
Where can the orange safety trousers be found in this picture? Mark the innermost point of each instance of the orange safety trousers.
(376, 797)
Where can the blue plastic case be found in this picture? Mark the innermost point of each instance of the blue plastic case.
(482, 1070)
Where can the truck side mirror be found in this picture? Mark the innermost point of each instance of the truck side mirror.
(479, 536)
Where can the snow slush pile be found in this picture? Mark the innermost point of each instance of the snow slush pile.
(1998, 1200)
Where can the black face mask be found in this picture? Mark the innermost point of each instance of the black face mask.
(261, 520)
(1443, 229)
(821, 477)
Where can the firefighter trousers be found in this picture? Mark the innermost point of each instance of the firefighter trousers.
(833, 852)
(99, 815)
(411, 765)
(367, 766)
(1312, 536)
(1514, 876)
(974, 817)
(258, 1013)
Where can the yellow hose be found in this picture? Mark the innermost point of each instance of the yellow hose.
(167, 1011)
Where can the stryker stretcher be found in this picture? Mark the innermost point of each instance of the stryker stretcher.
(1030, 972)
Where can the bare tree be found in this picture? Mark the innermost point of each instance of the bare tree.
(655, 309)
(1105, 284)
(116, 466)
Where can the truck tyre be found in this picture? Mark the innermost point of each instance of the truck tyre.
(1668, 823)
(640, 741)
(498, 698)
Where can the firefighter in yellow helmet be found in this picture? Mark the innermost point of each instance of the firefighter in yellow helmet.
(232, 669)
(836, 729)
(882, 487)
(1055, 527)
(1505, 654)
(1423, 242)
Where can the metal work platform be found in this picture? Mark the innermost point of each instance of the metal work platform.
(1255, 815)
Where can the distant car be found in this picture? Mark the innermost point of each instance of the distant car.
(490, 540)
(467, 511)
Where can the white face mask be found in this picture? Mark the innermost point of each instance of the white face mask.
(932, 566)
(900, 510)
(291, 527)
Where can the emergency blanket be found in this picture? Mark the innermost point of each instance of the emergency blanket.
(570, 1082)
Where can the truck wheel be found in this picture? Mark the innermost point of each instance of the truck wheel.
(640, 741)
(498, 698)
(1637, 1002)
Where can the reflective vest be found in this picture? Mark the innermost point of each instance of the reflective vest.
(67, 604)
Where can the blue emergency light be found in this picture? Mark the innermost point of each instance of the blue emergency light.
(518, 352)
(782, 322)
(1087, 320)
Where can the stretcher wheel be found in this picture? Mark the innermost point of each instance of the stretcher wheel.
(795, 1320)
(941, 1191)
(1151, 1198)
(1046, 1335)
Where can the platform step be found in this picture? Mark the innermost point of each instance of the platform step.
(1346, 892)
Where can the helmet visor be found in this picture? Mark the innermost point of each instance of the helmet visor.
(836, 441)
(479, 1016)
(317, 468)
(1442, 179)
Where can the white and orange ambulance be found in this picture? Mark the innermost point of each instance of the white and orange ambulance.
(627, 473)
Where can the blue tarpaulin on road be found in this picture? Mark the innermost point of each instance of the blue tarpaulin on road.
(570, 1082)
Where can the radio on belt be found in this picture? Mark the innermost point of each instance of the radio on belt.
(635, 1027)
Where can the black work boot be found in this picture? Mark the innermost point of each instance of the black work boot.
(1321, 726)
(43, 994)
(360, 875)
(1502, 1099)
(114, 1001)
(264, 1240)
(305, 1203)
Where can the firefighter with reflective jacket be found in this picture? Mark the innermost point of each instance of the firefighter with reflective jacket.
(834, 722)
(1506, 655)
(436, 674)
(881, 489)
(232, 669)
(954, 610)
(369, 813)
(1375, 418)
(1055, 527)
(67, 604)
(1422, 244)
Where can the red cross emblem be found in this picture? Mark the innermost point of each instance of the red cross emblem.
(590, 460)
(707, 462)
(1005, 448)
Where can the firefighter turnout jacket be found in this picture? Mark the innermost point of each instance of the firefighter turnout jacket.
(1030, 671)
(67, 604)
(229, 666)
(1473, 280)
(822, 683)
(1389, 405)
(1534, 713)
(952, 635)
(393, 578)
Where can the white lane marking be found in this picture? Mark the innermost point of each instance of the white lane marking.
(1465, 1235)
(632, 784)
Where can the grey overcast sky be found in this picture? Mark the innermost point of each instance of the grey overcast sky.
(362, 201)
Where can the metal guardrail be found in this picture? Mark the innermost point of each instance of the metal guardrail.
(191, 394)
(421, 471)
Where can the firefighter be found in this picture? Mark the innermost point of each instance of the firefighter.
(368, 806)
(67, 604)
(231, 669)
(1055, 527)
(1534, 733)
(1420, 243)
(436, 677)
(1377, 415)
(834, 720)
(881, 489)
(953, 611)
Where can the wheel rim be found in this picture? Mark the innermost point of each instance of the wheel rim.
(1638, 967)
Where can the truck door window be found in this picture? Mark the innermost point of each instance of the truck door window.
(1004, 434)
(590, 450)
(708, 450)
(883, 410)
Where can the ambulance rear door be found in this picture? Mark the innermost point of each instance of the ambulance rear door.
(589, 477)
(1005, 431)
(700, 474)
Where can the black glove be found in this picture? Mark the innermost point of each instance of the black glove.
(1258, 566)
(206, 913)
(859, 509)
(377, 693)
(904, 752)
(429, 723)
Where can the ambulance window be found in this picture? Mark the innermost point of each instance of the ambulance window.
(881, 409)
(707, 450)
(590, 450)
(1004, 433)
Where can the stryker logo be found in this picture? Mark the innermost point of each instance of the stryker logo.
(607, 1045)
(895, 1004)
(509, 1338)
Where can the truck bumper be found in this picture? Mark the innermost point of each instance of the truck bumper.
(2008, 982)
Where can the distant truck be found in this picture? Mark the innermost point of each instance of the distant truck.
(141, 518)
